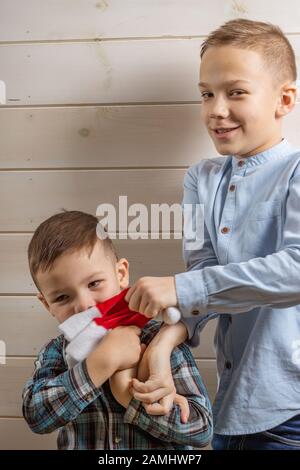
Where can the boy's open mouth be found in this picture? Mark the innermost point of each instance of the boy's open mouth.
(221, 132)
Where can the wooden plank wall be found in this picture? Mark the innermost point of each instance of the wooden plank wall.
(102, 101)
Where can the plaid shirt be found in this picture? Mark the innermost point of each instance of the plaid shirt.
(89, 417)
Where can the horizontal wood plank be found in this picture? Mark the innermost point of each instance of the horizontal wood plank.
(16, 435)
(85, 137)
(104, 72)
(103, 136)
(146, 257)
(90, 72)
(208, 372)
(36, 20)
(27, 198)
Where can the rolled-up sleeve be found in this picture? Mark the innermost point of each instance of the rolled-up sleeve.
(56, 395)
(197, 432)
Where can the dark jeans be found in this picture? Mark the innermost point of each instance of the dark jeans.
(286, 436)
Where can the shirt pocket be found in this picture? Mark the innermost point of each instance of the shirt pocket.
(263, 228)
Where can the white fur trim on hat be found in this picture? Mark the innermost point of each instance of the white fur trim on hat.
(77, 322)
(84, 343)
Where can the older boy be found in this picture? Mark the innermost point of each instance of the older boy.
(90, 403)
(248, 268)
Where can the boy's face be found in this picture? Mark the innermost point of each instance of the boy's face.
(252, 106)
(77, 281)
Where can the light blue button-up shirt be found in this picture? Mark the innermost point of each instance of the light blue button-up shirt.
(250, 274)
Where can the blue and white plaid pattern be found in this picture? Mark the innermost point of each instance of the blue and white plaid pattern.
(90, 418)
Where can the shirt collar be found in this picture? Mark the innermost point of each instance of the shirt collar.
(279, 150)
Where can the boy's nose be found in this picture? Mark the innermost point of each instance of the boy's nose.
(219, 109)
(83, 303)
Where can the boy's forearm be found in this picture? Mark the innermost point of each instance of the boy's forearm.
(120, 384)
(170, 336)
(121, 396)
(99, 370)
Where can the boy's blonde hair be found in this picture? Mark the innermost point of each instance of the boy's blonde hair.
(64, 232)
(266, 38)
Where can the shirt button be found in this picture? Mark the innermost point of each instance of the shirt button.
(195, 312)
(232, 187)
(89, 396)
(241, 163)
(225, 229)
(228, 365)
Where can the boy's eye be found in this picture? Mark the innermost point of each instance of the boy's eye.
(94, 283)
(205, 94)
(237, 92)
(61, 298)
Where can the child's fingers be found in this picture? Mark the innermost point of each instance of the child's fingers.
(134, 328)
(161, 408)
(146, 387)
(151, 311)
(129, 293)
(143, 349)
(151, 385)
(154, 409)
(150, 397)
(143, 304)
(184, 408)
(135, 301)
(165, 405)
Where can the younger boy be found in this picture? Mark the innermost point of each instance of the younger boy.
(91, 403)
(248, 269)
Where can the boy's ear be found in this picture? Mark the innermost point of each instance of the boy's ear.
(287, 99)
(123, 272)
(44, 301)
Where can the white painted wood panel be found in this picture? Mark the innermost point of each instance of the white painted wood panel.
(103, 136)
(46, 20)
(14, 375)
(25, 326)
(208, 372)
(27, 198)
(103, 72)
(17, 371)
(146, 257)
(117, 136)
(16, 435)
(112, 72)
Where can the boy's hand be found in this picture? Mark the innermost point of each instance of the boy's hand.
(123, 346)
(149, 392)
(149, 295)
(155, 385)
(119, 349)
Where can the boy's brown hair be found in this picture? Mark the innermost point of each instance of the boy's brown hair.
(64, 232)
(266, 38)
